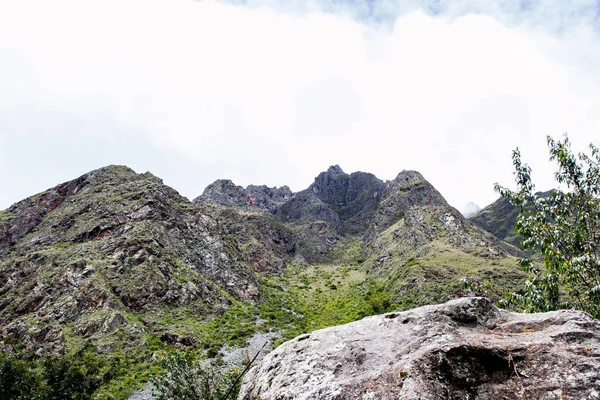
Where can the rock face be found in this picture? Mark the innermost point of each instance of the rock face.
(396, 222)
(463, 349)
(347, 201)
(225, 192)
(408, 189)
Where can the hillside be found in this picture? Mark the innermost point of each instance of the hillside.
(500, 219)
(120, 263)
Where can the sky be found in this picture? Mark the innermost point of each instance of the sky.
(273, 92)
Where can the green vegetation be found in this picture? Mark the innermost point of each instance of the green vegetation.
(565, 228)
(304, 299)
(24, 375)
(186, 379)
(5, 216)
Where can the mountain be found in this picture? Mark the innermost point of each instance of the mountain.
(108, 251)
(118, 262)
(500, 219)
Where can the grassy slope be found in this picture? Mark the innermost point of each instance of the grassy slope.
(302, 299)
(499, 218)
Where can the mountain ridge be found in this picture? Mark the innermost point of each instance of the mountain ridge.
(123, 263)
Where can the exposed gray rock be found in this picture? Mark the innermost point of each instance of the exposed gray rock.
(463, 349)
(143, 394)
(257, 345)
(268, 198)
(307, 206)
(345, 201)
(225, 192)
(408, 189)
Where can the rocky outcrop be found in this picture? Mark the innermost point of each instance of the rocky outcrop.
(347, 201)
(307, 206)
(268, 198)
(408, 189)
(22, 217)
(225, 192)
(463, 349)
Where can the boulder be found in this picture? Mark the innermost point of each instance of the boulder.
(464, 349)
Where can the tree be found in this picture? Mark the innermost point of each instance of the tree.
(564, 228)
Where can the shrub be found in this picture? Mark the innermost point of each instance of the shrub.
(184, 379)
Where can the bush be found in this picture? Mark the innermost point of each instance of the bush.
(18, 378)
(24, 375)
(183, 379)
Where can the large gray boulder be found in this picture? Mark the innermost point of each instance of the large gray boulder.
(463, 349)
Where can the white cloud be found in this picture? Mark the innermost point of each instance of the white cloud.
(268, 94)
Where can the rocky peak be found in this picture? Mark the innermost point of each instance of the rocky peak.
(24, 216)
(421, 190)
(112, 171)
(225, 192)
(408, 189)
(407, 176)
(108, 241)
(335, 169)
(346, 200)
(268, 198)
(331, 186)
(466, 349)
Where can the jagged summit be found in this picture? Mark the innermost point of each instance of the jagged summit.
(407, 175)
(225, 192)
(335, 169)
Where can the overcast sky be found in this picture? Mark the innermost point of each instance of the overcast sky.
(273, 92)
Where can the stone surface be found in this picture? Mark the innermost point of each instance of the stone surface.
(346, 201)
(225, 192)
(408, 189)
(463, 349)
